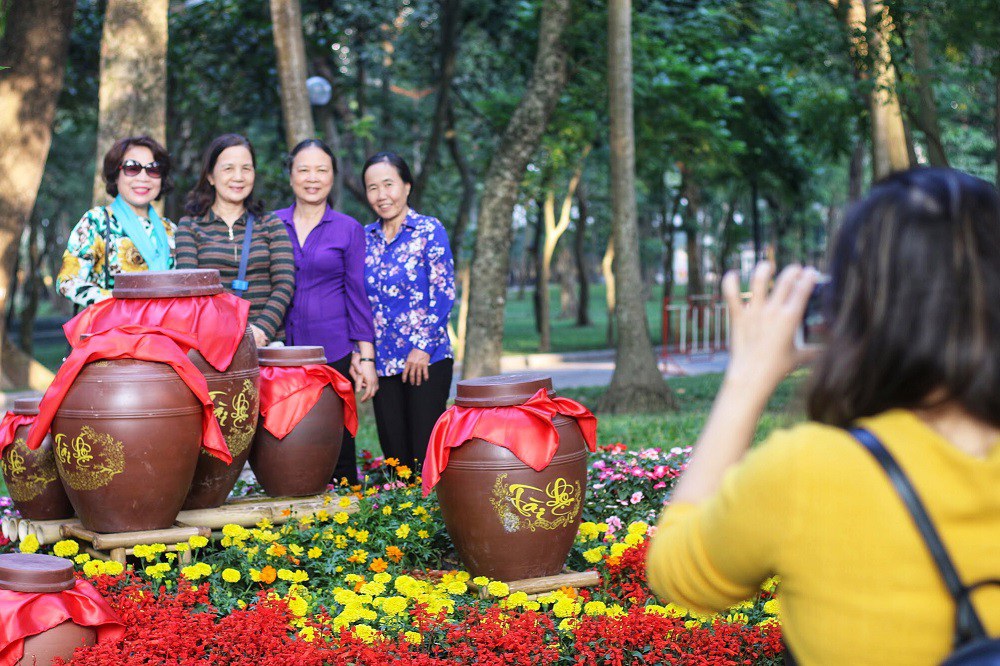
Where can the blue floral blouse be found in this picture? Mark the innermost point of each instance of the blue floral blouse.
(410, 283)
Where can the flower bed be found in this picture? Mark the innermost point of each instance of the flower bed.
(379, 585)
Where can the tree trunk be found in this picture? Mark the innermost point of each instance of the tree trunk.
(463, 314)
(926, 116)
(32, 287)
(468, 188)
(636, 384)
(133, 92)
(566, 278)
(286, 17)
(536, 258)
(608, 271)
(491, 262)
(996, 126)
(34, 44)
(668, 236)
(692, 231)
(580, 254)
(889, 146)
(856, 172)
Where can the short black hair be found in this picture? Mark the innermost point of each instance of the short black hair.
(389, 158)
(915, 280)
(313, 143)
(116, 154)
(202, 195)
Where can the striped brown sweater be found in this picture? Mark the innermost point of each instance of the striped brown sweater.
(205, 242)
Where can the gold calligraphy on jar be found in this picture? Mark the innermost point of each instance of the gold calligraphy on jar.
(90, 460)
(27, 472)
(238, 420)
(520, 505)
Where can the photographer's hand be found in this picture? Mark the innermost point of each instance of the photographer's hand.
(761, 354)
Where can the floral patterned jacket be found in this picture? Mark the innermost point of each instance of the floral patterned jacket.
(81, 278)
(410, 283)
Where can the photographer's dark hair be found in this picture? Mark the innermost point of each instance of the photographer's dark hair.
(914, 301)
(389, 158)
(313, 143)
(202, 196)
(116, 155)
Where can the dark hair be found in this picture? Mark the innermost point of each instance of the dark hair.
(389, 158)
(915, 278)
(202, 196)
(116, 155)
(313, 143)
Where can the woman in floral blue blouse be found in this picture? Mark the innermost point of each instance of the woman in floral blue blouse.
(410, 281)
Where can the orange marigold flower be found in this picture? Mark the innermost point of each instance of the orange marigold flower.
(393, 553)
(268, 574)
(378, 565)
(391, 462)
(286, 512)
(569, 592)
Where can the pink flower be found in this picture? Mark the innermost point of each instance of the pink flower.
(636, 497)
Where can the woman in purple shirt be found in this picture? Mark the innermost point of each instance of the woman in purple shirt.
(410, 280)
(329, 308)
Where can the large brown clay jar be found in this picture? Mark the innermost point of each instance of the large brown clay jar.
(31, 476)
(507, 521)
(44, 574)
(234, 391)
(302, 463)
(127, 438)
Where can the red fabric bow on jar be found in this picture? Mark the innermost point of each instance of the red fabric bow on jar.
(30, 613)
(525, 430)
(11, 422)
(160, 345)
(288, 393)
(217, 322)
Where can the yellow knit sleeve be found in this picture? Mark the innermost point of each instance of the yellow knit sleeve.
(711, 555)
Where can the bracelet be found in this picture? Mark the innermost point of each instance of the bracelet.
(369, 360)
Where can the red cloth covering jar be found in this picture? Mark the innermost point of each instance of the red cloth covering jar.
(46, 613)
(509, 463)
(304, 407)
(31, 476)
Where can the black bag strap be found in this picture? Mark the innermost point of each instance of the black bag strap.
(240, 284)
(968, 626)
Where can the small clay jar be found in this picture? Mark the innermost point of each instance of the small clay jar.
(127, 438)
(44, 574)
(31, 476)
(303, 461)
(234, 391)
(507, 521)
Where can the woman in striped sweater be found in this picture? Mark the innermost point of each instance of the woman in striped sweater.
(214, 233)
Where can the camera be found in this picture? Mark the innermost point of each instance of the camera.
(814, 329)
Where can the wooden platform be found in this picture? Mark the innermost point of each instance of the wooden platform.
(537, 587)
(245, 511)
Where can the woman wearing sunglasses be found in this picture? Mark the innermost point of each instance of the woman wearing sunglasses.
(126, 236)
(226, 229)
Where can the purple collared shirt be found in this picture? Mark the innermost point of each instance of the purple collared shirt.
(330, 307)
(411, 287)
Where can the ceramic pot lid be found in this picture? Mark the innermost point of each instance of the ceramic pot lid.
(284, 357)
(27, 572)
(27, 406)
(501, 390)
(168, 284)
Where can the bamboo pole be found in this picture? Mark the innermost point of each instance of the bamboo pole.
(547, 583)
(101, 541)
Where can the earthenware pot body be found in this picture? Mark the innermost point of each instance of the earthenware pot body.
(127, 438)
(234, 391)
(302, 463)
(44, 574)
(31, 476)
(507, 521)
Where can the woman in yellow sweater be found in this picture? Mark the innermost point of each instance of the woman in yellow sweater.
(914, 357)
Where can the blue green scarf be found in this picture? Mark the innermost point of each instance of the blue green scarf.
(155, 255)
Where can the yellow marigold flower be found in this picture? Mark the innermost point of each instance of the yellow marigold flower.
(463, 576)
(231, 575)
(403, 472)
(393, 606)
(564, 608)
(241, 604)
(113, 568)
(588, 531)
(322, 515)
(298, 606)
(737, 618)
(82, 558)
(296, 549)
(771, 584)
(633, 539)
(344, 502)
(772, 606)
(638, 527)
(673, 610)
(197, 541)
(29, 544)
(595, 608)
(308, 634)
(618, 549)
(457, 587)
(419, 511)
(314, 552)
(66, 548)
(365, 633)
(651, 609)
(378, 565)
(383, 578)
(405, 505)
(403, 531)
(265, 524)
(498, 589)
(517, 598)
(181, 547)
(615, 610)
(170, 557)
(481, 580)
(340, 541)
(276, 550)
(284, 574)
(387, 510)
(603, 527)
(361, 536)
(569, 624)
(93, 568)
(594, 555)
(359, 556)
(234, 531)
(299, 576)
(423, 534)
(413, 637)
(192, 572)
(340, 517)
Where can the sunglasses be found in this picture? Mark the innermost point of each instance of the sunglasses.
(132, 168)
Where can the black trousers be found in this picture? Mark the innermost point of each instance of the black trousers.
(347, 463)
(405, 414)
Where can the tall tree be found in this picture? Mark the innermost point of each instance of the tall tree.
(491, 261)
(636, 384)
(133, 90)
(288, 42)
(889, 144)
(34, 45)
